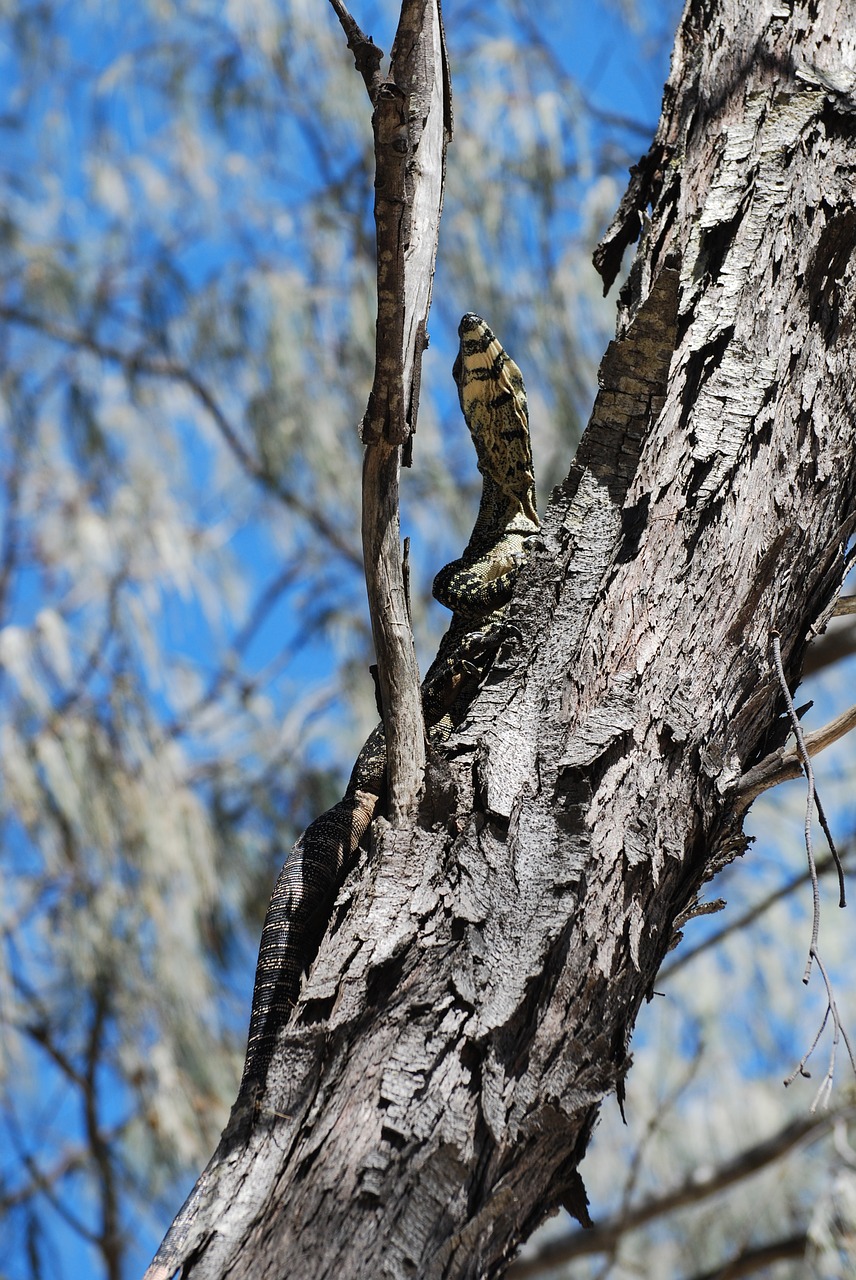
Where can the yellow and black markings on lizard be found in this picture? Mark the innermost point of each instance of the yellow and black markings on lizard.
(493, 400)
(497, 415)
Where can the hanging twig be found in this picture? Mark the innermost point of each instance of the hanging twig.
(822, 1095)
(811, 800)
(838, 1033)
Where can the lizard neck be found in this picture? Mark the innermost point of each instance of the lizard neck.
(499, 513)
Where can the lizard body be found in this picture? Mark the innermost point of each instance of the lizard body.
(477, 588)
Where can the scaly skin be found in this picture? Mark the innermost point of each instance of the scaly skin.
(477, 588)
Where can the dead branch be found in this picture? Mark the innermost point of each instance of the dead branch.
(824, 866)
(785, 764)
(411, 124)
(604, 1237)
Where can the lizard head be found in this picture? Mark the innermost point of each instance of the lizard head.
(493, 401)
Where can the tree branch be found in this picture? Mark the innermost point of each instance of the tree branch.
(785, 764)
(367, 55)
(9, 539)
(136, 363)
(410, 122)
(109, 1237)
(749, 1261)
(838, 1034)
(836, 643)
(684, 957)
(70, 1161)
(604, 1237)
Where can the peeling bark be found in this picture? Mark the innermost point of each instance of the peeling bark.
(473, 1001)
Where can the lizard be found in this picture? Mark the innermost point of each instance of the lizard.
(477, 589)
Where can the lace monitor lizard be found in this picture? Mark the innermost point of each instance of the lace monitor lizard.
(477, 588)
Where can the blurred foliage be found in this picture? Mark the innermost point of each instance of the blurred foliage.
(186, 320)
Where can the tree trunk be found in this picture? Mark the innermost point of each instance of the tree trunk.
(473, 1001)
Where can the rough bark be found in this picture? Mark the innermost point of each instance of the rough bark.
(474, 999)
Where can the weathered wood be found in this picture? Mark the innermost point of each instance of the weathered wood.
(411, 123)
(473, 1001)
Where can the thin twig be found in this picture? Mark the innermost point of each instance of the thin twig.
(748, 917)
(842, 895)
(749, 1261)
(268, 599)
(813, 954)
(138, 363)
(606, 1234)
(836, 643)
(367, 55)
(51, 1195)
(9, 540)
(805, 758)
(666, 1110)
(838, 1033)
(535, 39)
(95, 658)
(799, 1069)
(73, 1159)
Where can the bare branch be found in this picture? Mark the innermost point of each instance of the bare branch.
(137, 363)
(824, 866)
(411, 130)
(367, 55)
(839, 1033)
(813, 954)
(805, 759)
(69, 1162)
(266, 601)
(109, 1236)
(46, 1187)
(836, 643)
(9, 540)
(95, 658)
(69, 1217)
(748, 1261)
(812, 800)
(783, 765)
(604, 1237)
(656, 1122)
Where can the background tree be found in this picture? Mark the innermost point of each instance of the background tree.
(187, 305)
